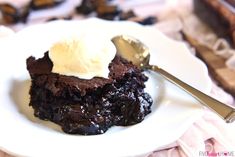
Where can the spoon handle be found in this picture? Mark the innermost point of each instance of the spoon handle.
(225, 111)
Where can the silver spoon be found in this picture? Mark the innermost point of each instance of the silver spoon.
(136, 52)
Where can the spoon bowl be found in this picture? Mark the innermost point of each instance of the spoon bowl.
(137, 53)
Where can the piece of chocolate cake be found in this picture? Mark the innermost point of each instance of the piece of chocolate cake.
(91, 106)
(219, 15)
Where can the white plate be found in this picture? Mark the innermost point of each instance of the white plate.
(173, 110)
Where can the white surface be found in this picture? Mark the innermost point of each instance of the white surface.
(173, 110)
(5, 32)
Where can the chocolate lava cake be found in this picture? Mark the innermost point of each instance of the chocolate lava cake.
(92, 106)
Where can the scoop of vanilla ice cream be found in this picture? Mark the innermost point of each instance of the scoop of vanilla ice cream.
(84, 57)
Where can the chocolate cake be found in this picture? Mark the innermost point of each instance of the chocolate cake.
(220, 15)
(92, 106)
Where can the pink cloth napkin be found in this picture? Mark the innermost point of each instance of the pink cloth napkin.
(208, 136)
